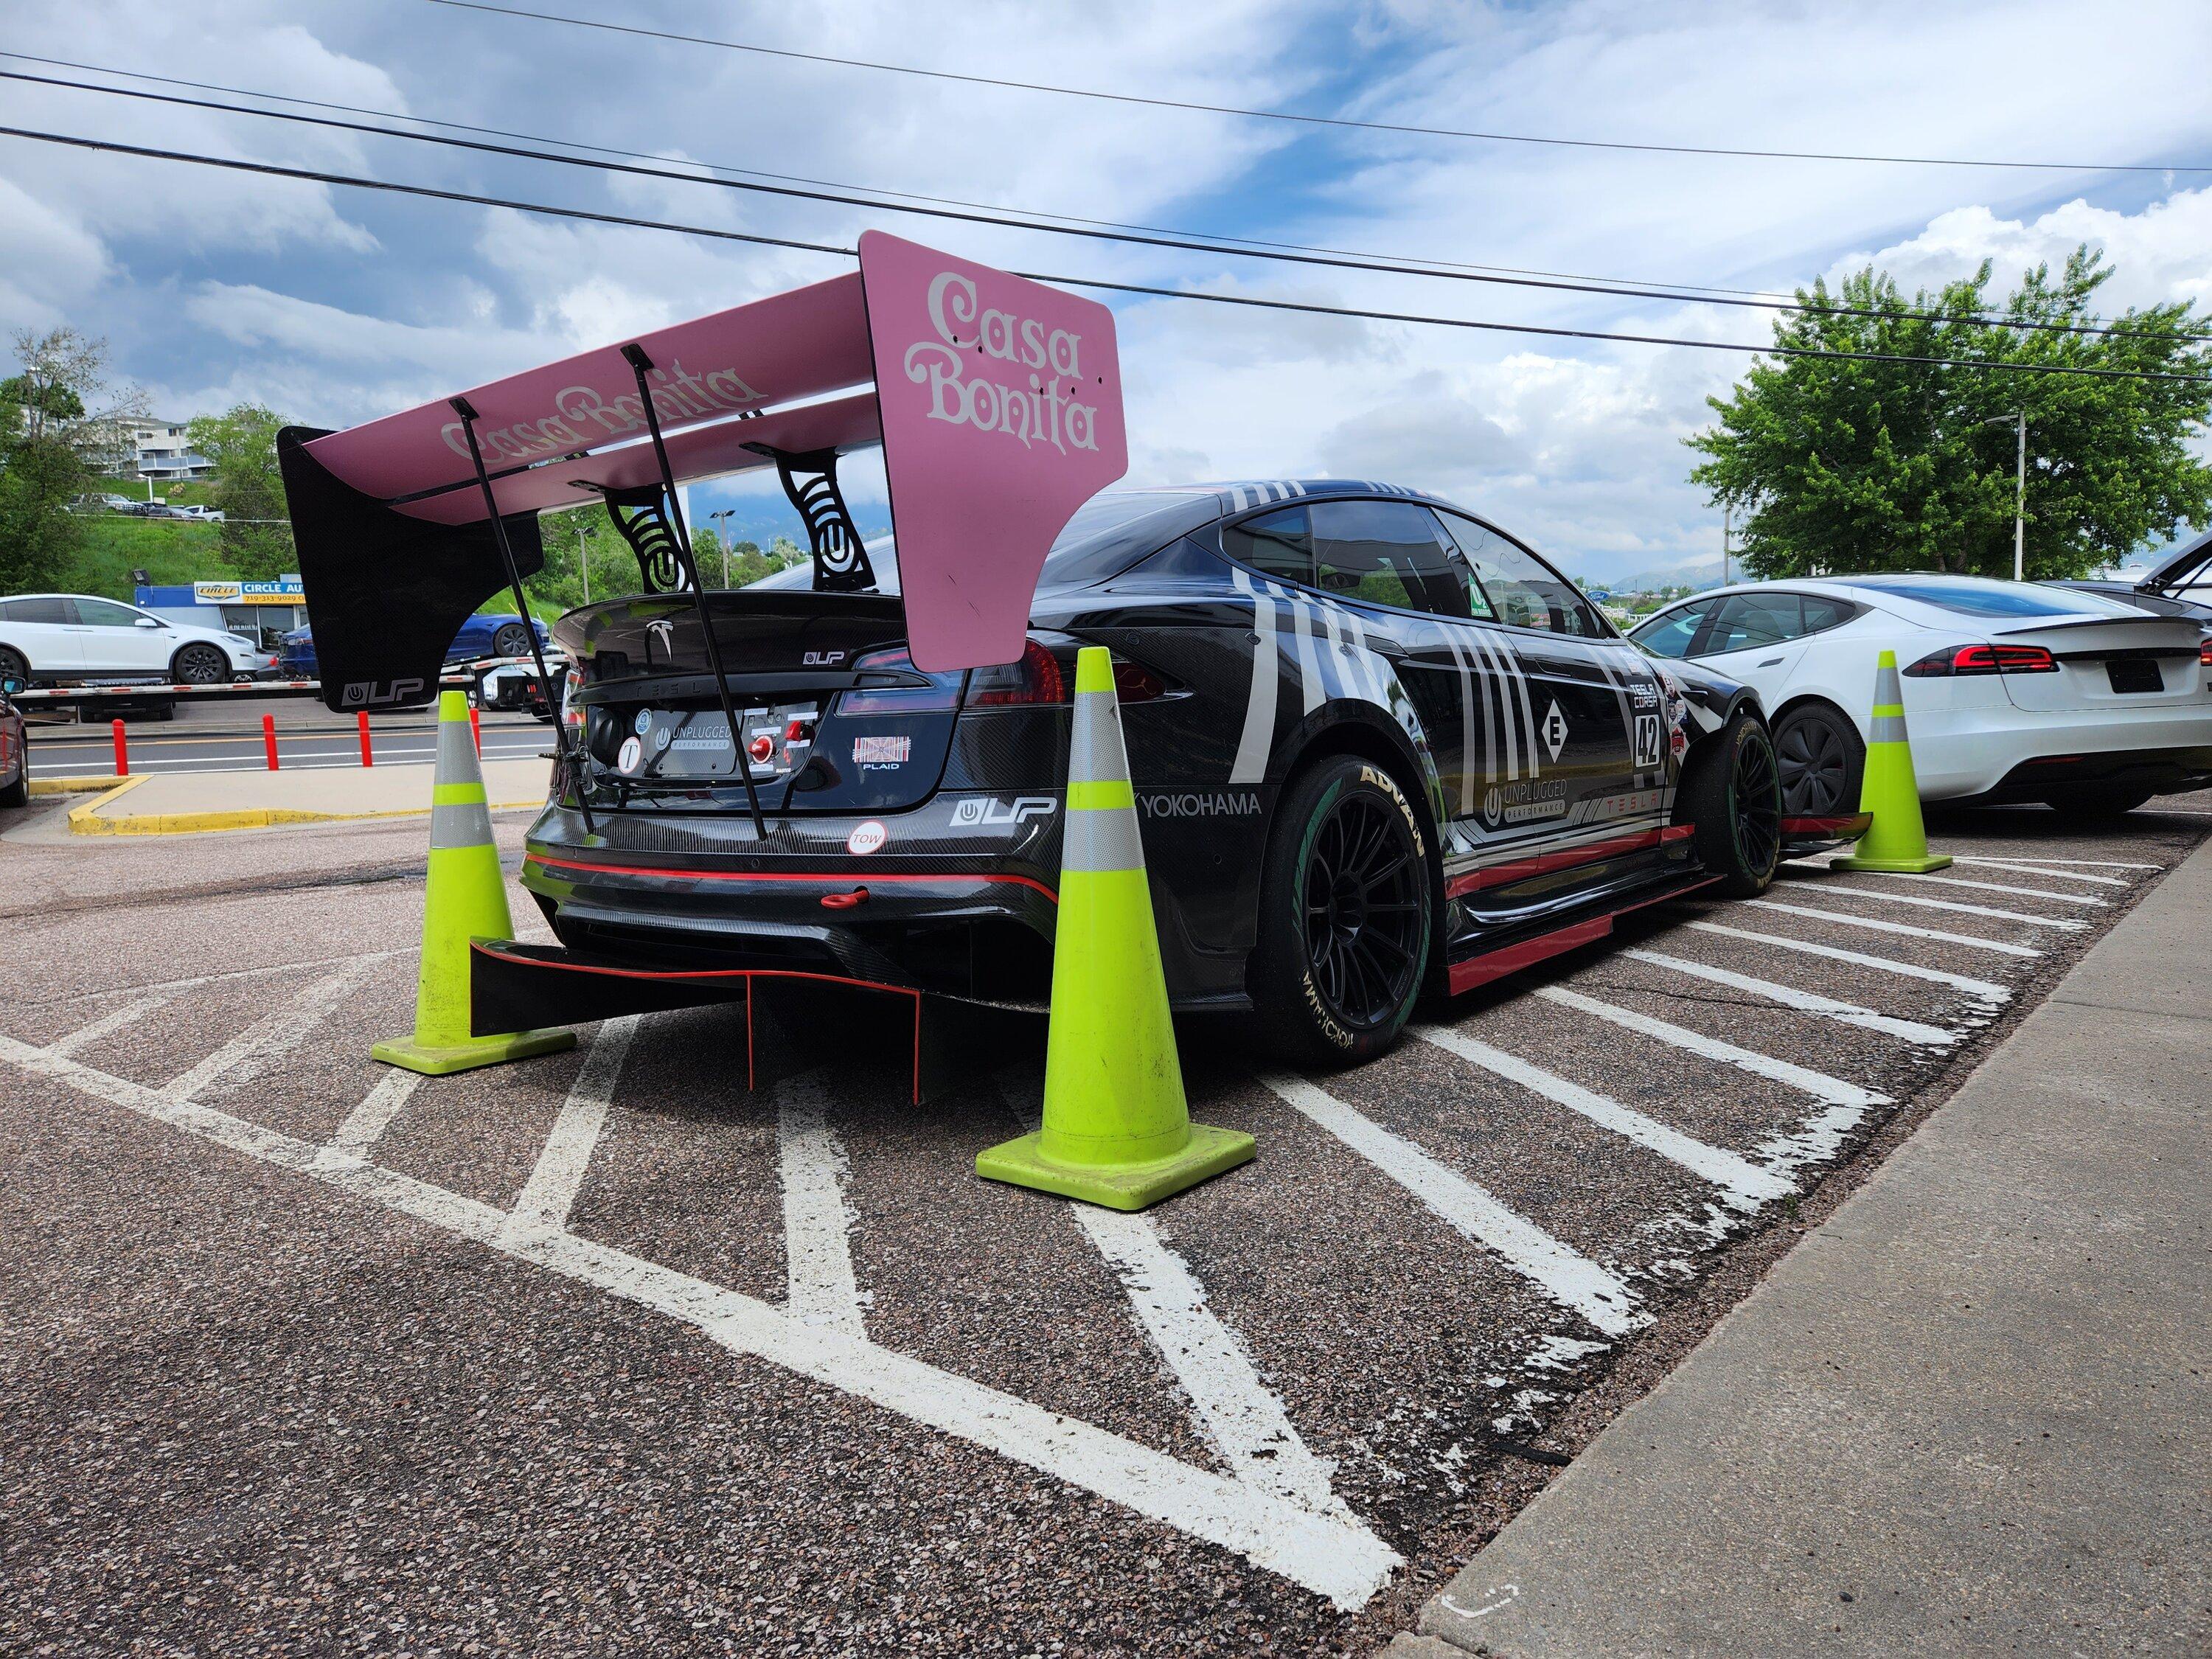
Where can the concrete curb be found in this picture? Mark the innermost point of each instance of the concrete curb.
(71, 785)
(86, 820)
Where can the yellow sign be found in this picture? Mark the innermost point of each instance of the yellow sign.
(276, 592)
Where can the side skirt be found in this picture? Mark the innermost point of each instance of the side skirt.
(1492, 961)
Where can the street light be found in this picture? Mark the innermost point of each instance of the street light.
(722, 533)
(2019, 495)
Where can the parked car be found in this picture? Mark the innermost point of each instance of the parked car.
(200, 514)
(2178, 586)
(1378, 746)
(496, 635)
(2012, 692)
(14, 750)
(75, 636)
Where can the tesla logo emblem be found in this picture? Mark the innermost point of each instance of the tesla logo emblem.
(664, 633)
(1555, 731)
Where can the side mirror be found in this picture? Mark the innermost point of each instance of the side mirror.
(148, 622)
(10, 686)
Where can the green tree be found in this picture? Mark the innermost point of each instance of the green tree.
(573, 538)
(255, 540)
(45, 438)
(1846, 466)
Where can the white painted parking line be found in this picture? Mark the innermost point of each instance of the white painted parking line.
(1332, 1556)
(228, 974)
(106, 1025)
(1986, 990)
(365, 1125)
(277, 1033)
(1745, 1187)
(1805, 1002)
(1960, 881)
(1563, 1273)
(551, 1191)
(2016, 867)
(1818, 1084)
(818, 1220)
(2091, 863)
(1997, 947)
(1921, 901)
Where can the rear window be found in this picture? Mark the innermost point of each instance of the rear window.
(1971, 597)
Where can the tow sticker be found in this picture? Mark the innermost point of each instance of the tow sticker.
(866, 838)
(631, 755)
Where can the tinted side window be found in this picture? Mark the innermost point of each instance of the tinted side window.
(39, 610)
(1821, 613)
(1388, 553)
(1521, 589)
(1280, 543)
(1748, 621)
(1670, 635)
(106, 613)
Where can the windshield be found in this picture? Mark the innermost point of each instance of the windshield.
(1107, 534)
(1973, 596)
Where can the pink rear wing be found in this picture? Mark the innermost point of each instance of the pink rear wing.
(997, 401)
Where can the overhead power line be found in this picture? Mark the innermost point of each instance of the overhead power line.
(878, 190)
(842, 199)
(1304, 118)
(270, 169)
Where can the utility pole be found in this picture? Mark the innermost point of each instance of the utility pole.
(1728, 514)
(2019, 493)
(722, 535)
(584, 559)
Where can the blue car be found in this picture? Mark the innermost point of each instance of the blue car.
(492, 634)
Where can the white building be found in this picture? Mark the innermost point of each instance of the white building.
(163, 453)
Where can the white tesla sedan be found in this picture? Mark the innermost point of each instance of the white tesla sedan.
(2014, 691)
(75, 636)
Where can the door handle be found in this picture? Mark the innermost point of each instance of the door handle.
(1770, 661)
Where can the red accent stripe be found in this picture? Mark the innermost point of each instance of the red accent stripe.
(1539, 864)
(1852, 823)
(873, 875)
(1511, 958)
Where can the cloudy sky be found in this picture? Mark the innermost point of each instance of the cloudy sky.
(333, 304)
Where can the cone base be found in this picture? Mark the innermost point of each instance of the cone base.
(1919, 866)
(1118, 1186)
(438, 1059)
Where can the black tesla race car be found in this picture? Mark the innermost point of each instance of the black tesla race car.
(1378, 747)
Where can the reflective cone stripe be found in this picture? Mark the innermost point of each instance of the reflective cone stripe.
(1897, 842)
(465, 897)
(1116, 1128)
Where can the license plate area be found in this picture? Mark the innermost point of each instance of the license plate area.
(2128, 674)
(693, 744)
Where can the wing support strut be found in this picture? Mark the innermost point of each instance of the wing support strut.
(635, 355)
(580, 768)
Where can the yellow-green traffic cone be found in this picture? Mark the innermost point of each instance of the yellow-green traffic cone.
(464, 899)
(1898, 841)
(1117, 1130)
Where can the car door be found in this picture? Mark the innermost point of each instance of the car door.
(1755, 639)
(115, 643)
(1571, 728)
(43, 628)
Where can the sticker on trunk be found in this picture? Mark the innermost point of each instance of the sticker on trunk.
(632, 755)
(881, 752)
(866, 838)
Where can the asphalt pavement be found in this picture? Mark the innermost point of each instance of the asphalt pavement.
(601, 1351)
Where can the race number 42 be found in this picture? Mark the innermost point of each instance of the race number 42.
(1647, 740)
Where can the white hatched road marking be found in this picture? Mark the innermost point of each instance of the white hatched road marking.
(1744, 1186)
(244, 1055)
(1959, 881)
(192, 980)
(1818, 1084)
(2015, 866)
(550, 1192)
(1987, 990)
(818, 1220)
(1996, 946)
(1330, 1555)
(1805, 1002)
(1921, 901)
(365, 1125)
(109, 1022)
(2091, 863)
(1565, 1275)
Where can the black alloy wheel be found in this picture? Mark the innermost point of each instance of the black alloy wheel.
(200, 664)
(511, 641)
(1756, 799)
(1820, 758)
(1731, 795)
(12, 665)
(1346, 914)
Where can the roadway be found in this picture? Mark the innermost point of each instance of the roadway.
(229, 739)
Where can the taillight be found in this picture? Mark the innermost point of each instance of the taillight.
(900, 688)
(572, 712)
(2204, 651)
(1963, 659)
(1035, 677)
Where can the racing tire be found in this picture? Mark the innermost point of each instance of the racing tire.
(1731, 792)
(14, 665)
(200, 664)
(1822, 760)
(18, 793)
(2097, 805)
(512, 641)
(1347, 916)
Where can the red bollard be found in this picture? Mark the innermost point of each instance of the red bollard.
(269, 738)
(122, 753)
(367, 755)
(476, 729)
